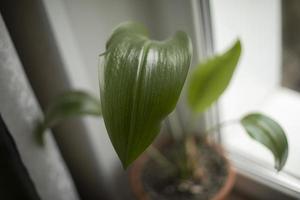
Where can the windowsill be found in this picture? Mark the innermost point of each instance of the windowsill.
(256, 161)
(248, 189)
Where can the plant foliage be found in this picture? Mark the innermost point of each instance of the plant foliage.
(140, 85)
(269, 133)
(210, 79)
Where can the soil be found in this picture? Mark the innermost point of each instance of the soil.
(164, 184)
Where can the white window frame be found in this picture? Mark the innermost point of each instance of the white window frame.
(257, 24)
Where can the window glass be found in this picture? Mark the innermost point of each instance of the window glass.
(291, 44)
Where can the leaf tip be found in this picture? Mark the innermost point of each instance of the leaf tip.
(39, 133)
(280, 163)
(125, 164)
(237, 47)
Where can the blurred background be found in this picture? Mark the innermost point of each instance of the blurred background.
(57, 43)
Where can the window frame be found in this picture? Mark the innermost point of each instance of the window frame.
(252, 170)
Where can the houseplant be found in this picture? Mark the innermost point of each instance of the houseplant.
(140, 83)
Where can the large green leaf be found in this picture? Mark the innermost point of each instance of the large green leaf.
(269, 133)
(140, 83)
(69, 104)
(209, 79)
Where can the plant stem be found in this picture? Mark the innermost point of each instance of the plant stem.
(176, 128)
(159, 157)
(191, 124)
(222, 124)
(192, 152)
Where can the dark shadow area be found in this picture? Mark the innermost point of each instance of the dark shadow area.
(248, 189)
(15, 182)
(291, 44)
(122, 185)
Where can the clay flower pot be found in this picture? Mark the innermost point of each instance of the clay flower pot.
(137, 184)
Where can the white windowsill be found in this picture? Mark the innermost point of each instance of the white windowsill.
(282, 105)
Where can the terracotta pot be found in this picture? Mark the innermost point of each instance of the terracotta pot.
(136, 170)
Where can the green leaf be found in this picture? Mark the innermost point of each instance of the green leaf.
(269, 133)
(140, 83)
(209, 79)
(67, 105)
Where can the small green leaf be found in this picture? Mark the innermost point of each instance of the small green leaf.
(209, 79)
(69, 104)
(140, 83)
(269, 133)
